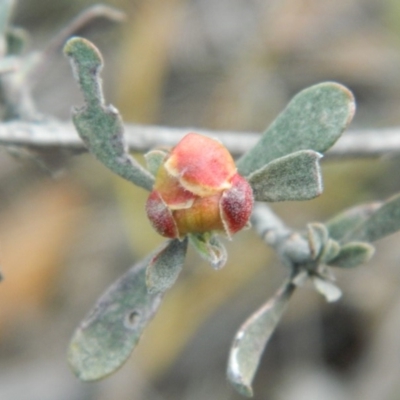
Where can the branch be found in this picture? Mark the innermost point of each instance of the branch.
(141, 138)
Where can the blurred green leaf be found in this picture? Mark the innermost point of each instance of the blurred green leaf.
(296, 176)
(317, 238)
(344, 223)
(384, 221)
(109, 333)
(330, 251)
(251, 339)
(210, 249)
(313, 120)
(6, 7)
(16, 40)
(353, 254)
(100, 126)
(165, 266)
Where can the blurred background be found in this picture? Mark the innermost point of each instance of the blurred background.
(231, 65)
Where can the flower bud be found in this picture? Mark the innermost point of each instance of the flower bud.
(197, 189)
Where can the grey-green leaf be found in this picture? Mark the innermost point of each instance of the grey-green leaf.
(384, 221)
(314, 119)
(164, 268)
(251, 339)
(296, 176)
(210, 249)
(107, 336)
(341, 225)
(100, 126)
(353, 254)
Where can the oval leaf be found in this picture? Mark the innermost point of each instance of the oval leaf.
(164, 267)
(341, 225)
(314, 119)
(353, 254)
(107, 336)
(293, 177)
(251, 339)
(384, 221)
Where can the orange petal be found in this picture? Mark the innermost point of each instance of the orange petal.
(202, 165)
(175, 196)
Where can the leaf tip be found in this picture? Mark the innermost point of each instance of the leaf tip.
(78, 48)
(235, 378)
(351, 102)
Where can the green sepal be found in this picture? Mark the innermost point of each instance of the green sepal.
(313, 120)
(154, 159)
(296, 176)
(209, 248)
(251, 339)
(109, 333)
(353, 254)
(164, 268)
(100, 126)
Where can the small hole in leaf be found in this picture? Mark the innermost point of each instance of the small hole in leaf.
(93, 314)
(131, 319)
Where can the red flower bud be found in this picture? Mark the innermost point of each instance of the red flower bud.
(197, 190)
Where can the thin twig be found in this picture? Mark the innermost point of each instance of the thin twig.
(81, 20)
(141, 138)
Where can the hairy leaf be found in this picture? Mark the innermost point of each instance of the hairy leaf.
(353, 254)
(314, 119)
(100, 126)
(251, 339)
(296, 176)
(107, 336)
(210, 249)
(384, 221)
(343, 224)
(165, 266)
